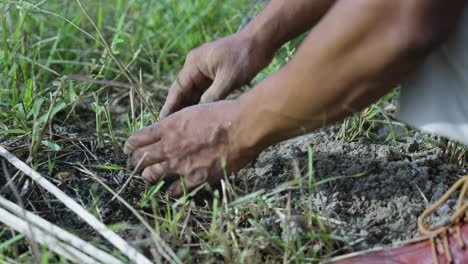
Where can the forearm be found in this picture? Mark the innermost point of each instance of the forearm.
(357, 53)
(283, 20)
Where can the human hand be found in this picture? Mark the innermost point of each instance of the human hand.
(192, 144)
(215, 69)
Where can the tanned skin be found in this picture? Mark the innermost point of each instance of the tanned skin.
(356, 51)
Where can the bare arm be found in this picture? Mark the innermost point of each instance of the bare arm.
(283, 20)
(214, 69)
(355, 55)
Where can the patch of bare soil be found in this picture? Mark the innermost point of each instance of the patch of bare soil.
(378, 208)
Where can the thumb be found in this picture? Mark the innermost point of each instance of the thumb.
(167, 109)
(219, 89)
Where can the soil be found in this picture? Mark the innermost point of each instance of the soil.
(375, 193)
(377, 208)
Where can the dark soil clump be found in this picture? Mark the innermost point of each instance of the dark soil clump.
(393, 183)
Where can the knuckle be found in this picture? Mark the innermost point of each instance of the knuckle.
(169, 166)
(137, 137)
(153, 128)
(192, 55)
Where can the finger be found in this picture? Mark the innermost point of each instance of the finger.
(159, 172)
(143, 137)
(221, 87)
(149, 155)
(176, 189)
(186, 89)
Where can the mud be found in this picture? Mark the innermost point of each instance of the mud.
(394, 183)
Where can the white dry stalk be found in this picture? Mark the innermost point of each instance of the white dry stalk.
(9, 260)
(58, 232)
(44, 238)
(162, 247)
(112, 237)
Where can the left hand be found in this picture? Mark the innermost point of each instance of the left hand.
(192, 144)
(215, 69)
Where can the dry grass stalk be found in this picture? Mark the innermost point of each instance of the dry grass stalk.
(161, 246)
(112, 237)
(44, 238)
(57, 232)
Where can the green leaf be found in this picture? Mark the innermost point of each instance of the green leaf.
(109, 167)
(7, 244)
(117, 227)
(51, 145)
(136, 53)
(12, 131)
(36, 108)
(55, 110)
(247, 198)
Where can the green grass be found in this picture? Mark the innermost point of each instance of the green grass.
(44, 116)
(56, 124)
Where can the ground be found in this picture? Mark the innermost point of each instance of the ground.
(379, 191)
(358, 184)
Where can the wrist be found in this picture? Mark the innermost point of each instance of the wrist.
(265, 113)
(245, 133)
(273, 26)
(263, 45)
(256, 124)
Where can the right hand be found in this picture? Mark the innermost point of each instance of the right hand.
(215, 69)
(192, 144)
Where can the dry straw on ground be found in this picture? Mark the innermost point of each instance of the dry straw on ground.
(112, 237)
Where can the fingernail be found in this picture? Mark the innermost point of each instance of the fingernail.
(173, 189)
(128, 148)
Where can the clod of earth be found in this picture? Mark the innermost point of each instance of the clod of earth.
(381, 206)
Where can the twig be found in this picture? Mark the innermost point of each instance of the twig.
(162, 247)
(112, 237)
(58, 232)
(87, 79)
(44, 238)
(129, 178)
(34, 247)
(37, 143)
(9, 260)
